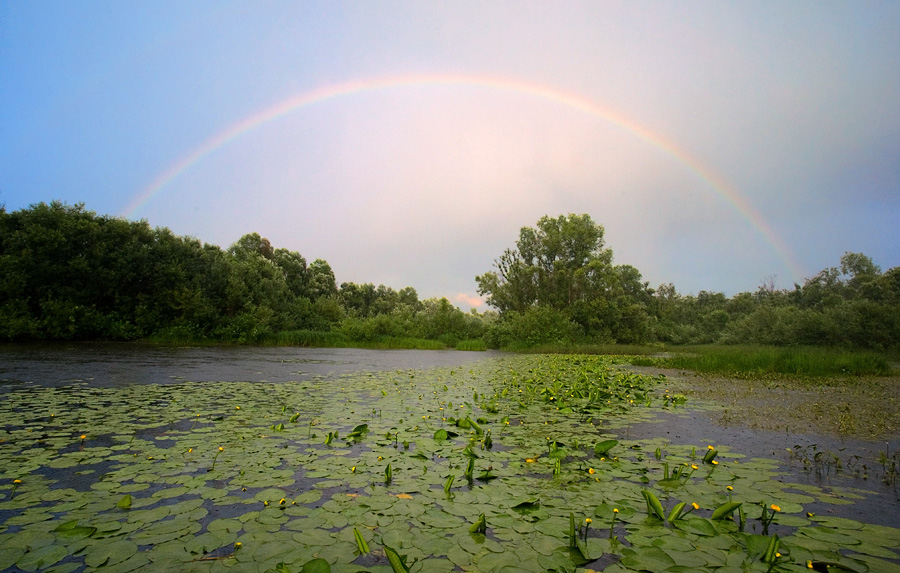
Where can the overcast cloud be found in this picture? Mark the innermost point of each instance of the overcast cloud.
(793, 106)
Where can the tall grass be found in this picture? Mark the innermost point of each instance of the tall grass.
(799, 360)
(590, 348)
(316, 339)
(477, 345)
(307, 338)
(179, 336)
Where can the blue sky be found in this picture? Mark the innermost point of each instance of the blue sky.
(734, 141)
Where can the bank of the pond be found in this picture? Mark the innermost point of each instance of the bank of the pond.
(863, 408)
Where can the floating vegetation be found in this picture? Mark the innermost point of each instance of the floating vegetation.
(517, 463)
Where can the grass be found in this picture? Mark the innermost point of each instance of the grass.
(471, 345)
(797, 390)
(609, 349)
(788, 361)
(319, 339)
(309, 338)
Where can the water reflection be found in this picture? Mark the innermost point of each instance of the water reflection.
(115, 365)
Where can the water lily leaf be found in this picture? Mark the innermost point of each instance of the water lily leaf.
(75, 533)
(497, 561)
(876, 564)
(9, 556)
(647, 559)
(41, 557)
(440, 434)
(125, 502)
(316, 566)
(602, 448)
(670, 483)
(224, 525)
(696, 525)
(526, 505)
(109, 553)
(874, 550)
(204, 543)
(691, 560)
(306, 497)
(829, 536)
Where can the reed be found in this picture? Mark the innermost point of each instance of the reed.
(476, 345)
(792, 361)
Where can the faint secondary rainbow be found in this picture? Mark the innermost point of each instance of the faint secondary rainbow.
(718, 183)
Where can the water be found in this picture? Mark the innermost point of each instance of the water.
(112, 365)
(123, 364)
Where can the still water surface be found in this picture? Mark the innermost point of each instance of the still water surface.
(123, 364)
(116, 365)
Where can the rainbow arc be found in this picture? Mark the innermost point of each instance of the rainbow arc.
(347, 89)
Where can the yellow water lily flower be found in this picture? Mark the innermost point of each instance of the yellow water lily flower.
(695, 506)
(591, 471)
(775, 507)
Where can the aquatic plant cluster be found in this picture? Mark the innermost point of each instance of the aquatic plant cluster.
(515, 464)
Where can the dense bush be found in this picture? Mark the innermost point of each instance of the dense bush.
(69, 274)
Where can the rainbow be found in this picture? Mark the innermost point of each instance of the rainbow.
(349, 88)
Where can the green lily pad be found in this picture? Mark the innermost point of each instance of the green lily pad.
(109, 552)
(41, 557)
(647, 558)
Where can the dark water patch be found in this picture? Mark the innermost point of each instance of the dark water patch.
(869, 496)
(120, 364)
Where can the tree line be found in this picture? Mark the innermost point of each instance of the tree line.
(559, 285)
(68, 274)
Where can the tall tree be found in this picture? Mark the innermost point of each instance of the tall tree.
(561, 261)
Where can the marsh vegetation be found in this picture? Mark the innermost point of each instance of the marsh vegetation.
(69, 274)
(518, 463)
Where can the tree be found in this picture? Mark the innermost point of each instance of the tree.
(559, 262)
(321, 280)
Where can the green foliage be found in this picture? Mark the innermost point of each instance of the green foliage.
(68, 274)
(535, 326)
(805, 361)
(559, 286)
(471, 345)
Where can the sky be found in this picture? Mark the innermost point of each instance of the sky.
(722, 145)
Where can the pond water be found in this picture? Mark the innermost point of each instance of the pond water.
(228, 455)
(117, 365)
